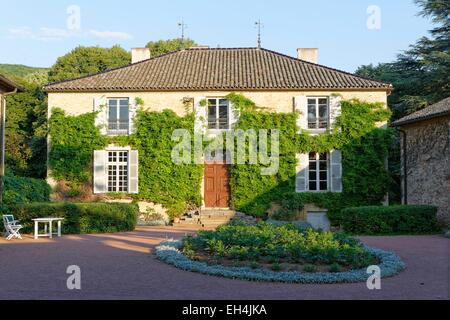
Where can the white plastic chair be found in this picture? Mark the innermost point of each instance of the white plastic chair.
(11, 226)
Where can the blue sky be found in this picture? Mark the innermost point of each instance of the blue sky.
(35, 32)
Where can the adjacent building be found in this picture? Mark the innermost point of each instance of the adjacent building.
(425, 152)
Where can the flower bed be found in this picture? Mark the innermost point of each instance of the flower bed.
(322, 257)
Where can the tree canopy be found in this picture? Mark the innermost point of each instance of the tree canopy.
(421, 74)
(83, 61)
(161, 47)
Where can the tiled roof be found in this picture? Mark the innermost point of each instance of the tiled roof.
(9, 84)
(218, 69)
(439, 109)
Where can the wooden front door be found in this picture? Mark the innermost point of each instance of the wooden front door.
(217, 185)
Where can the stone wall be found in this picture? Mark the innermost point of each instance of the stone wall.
(281, 101)
(428, 165)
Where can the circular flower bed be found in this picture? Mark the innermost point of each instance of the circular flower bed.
(323, 256)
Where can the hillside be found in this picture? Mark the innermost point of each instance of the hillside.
(19, 70)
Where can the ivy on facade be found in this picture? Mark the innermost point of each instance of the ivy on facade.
(178, 186)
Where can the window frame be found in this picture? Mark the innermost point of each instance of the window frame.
(118, 170)
(116, 132)
(217, 117)
(317, 107)
(317, 170)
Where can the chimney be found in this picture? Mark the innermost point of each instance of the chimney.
(308, 54)
(139, 54)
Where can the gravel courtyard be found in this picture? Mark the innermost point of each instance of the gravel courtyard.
(123, 266)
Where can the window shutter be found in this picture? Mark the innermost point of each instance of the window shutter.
(100, 106)
(100, 171)
(234, 115)
(301, 178)
(201, 120)
(133, 172)
(336, 170)
(300, 105)
(335, 109)
(132, 115)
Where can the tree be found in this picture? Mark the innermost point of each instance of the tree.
(83, 61)
(420, 75)
(161, 47)
(26, 119)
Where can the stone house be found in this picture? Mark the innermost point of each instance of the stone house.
(270, 79)
(425, 152)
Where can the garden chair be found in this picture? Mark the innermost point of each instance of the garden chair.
(11, 226)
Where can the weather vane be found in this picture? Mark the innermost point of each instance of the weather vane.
(183, 27)
(259, 25)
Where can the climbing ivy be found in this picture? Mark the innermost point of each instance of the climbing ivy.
(364, 148)
(177, 186)
(73, 139)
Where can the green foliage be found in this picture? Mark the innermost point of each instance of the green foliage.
(310, 268)
(80, 217)
(160, 47)
(364, 149)
(83, 61)
(276, 244)
(24, 190)
(420, 75)
(19, 70)
(406, 219)
(335, 267)
(73, 139)
(26, 130)
(175, 186)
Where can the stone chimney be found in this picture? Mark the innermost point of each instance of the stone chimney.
(139, 54)
(308, 54)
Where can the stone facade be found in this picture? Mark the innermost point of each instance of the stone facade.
(77, 103)
(428, 165)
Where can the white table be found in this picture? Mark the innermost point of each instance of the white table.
(48, 222)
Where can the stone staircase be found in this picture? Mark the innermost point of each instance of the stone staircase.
(206, 218)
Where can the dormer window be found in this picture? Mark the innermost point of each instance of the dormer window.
(318, 113)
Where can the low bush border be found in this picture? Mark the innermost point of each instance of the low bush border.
(168, 252)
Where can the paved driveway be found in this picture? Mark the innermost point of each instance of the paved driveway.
(123, 266)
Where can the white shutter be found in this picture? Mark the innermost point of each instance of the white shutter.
(301, 105)
(100, 106)
(132, 115)
(100, 177)
(201, 120)
(234, 115)
(335, 109)
(301, 177)
(336, 170)
(133, 172)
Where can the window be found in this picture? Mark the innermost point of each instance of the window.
(318, 113)
(118, 116)
(117, 164)
(318, 171)
(218, 114)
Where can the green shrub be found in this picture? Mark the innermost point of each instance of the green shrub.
(24, 190)
(309, 268)
(80, 217)
(335, 267)
(402, 219)
(266, 242)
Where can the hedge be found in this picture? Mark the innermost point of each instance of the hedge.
(24, 190)
(401, 219)
(80, 217)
